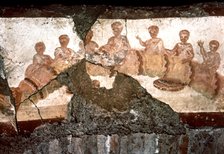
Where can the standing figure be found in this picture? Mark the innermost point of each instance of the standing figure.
(153, 54)
(64, 56)
(179, 60)
(204, 79)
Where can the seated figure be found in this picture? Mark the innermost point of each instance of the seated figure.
(118, 52)
(37, 74)
(153, 55)
(90, 45)
(93, 55)
(64, 56)
(40, 71)
(117, 45)
(179, 60)
(204, 79)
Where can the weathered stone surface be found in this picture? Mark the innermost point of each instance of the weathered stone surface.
(7, 104)
(206, 141)
(54, 147)
(90, 144)
(44, 148)
(85, 17)
(80, 19)
(75, 146)
(124, 145)
(101, 144)
(126, 109)
(28, 152)
(167, 143)
(123, 109)
(114, 146)
(5, 93)
(155, 12)
(135, 143)
(200, 141)
(134, 12)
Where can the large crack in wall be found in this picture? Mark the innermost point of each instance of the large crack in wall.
(96, 114)
(85, 16)
(122, 110)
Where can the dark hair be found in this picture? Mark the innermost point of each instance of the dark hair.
(117, 23)
(38, 43)
(64, 35)
(185, 31)
(154, 27)
(215, 42)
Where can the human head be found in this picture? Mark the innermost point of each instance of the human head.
(64, 40)
(117, 28)
(40, 47)
(153, 31)
(213, 45)
(184, 35)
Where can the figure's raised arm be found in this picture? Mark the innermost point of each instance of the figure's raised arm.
(140, 41)
(202, 49)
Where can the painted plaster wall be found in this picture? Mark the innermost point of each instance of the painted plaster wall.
(19, 36)
(202, 28)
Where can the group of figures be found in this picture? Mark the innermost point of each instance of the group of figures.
(174, 67)
(44, 68)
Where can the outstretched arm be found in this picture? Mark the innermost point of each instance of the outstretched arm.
(172, 52)
(140, 41)
(107, 47)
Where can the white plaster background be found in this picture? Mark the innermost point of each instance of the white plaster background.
(203, 28)
(102, 30)
(19, 35)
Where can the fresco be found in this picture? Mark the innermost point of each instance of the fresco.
(178, 60)
(35, 51)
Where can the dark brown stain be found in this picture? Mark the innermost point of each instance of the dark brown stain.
(203, 119)
(7, 128)
(214, 10)
(140, 70)
(25, 127)
(183, 147)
